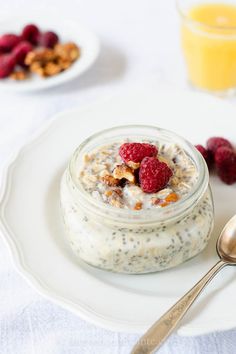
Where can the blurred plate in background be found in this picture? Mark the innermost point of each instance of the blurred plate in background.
(68, 31)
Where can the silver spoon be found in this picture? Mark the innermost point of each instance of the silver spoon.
(160, 330)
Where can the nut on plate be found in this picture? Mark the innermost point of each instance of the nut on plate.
(68, 51)
(19, 75)
(40, 56)
(124, 171)
(63, 63)
(51, 69)
(37, 68)
(49, 62)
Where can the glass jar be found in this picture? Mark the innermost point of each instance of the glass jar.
(130, 241)
(208, 35)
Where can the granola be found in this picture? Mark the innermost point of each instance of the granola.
(108, 171)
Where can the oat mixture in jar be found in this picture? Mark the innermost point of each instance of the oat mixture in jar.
(103, 168)
(136, 199)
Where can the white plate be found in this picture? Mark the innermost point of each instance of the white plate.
(68, 31)
(31, 222)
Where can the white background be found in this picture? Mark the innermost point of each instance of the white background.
(140, 45)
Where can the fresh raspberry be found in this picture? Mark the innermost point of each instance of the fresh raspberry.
(206, 154)
(153, 175)
(20, 52)
(8, 42)
(225, 160)
(136, 152)
(31, 34)
(48, 39)
(7, 64)
(214, 143)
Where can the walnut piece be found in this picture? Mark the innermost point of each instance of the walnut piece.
(133, 165)
(37, 69)
(64, 64)
(68, 51)
(51, 69)
(110, 181)
(124, 171)
(115, 192)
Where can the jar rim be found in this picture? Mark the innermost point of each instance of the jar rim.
(144, 216)
(184, 16)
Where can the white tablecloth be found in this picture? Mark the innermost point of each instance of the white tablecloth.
(140, 44)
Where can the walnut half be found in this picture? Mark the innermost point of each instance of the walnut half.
(123, 171)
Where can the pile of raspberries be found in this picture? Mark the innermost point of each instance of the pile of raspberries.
(220, 153)
(14, 48)
(153, 175)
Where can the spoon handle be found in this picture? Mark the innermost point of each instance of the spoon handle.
(161, 329)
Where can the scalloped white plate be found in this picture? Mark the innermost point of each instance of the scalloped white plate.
(68, 31)
(31, 221)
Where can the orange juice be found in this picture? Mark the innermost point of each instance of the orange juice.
(209, 44)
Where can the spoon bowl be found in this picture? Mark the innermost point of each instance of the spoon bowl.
(226, 243)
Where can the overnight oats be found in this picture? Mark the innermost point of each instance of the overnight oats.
(136, 199)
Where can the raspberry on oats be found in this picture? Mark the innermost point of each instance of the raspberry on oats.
(136, 152)
(225, 160)
(153, 175)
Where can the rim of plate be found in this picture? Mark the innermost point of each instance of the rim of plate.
(76, 70)
(24, 269)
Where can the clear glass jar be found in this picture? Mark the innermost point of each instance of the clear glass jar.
(129, 241)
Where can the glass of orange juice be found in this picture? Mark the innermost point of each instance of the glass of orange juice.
(208, 34)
